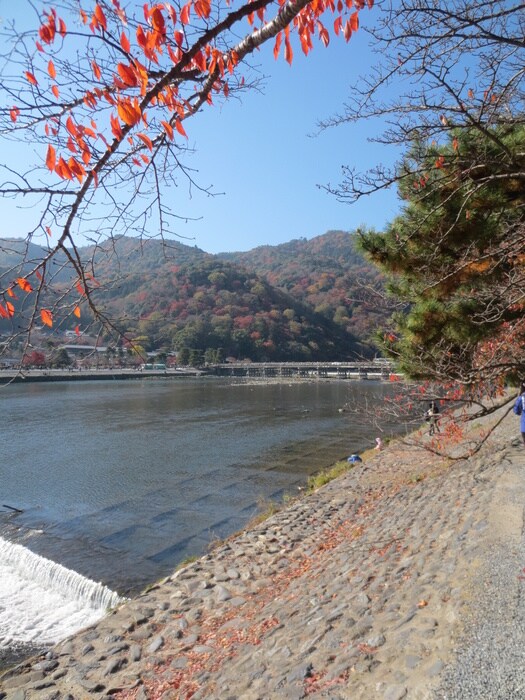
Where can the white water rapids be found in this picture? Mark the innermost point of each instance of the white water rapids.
(44, 602)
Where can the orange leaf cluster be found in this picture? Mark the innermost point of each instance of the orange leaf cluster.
(130, 80)
(129, 110)
(49, 28)
(24, 285)
(7, 311)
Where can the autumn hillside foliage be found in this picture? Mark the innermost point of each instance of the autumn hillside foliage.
(172, 297)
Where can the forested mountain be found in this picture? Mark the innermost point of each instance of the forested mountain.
(304, 300)
(326, 272)
(212, 304)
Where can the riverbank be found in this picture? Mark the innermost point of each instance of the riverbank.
(26, 376)
(368, 588)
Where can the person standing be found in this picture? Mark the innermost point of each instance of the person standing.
(432, 417)
(519, 410)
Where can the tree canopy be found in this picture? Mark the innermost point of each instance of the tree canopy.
(448, 93)
(103, 93)
(456, 258)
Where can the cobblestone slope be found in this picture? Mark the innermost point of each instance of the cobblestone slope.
(362, 590)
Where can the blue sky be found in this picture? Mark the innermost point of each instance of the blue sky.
(261, 154)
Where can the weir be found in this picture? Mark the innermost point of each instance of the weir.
(56, 577)
(41, 600)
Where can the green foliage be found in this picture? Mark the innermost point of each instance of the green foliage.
(324, 477)
(455, 255)
(60, 358)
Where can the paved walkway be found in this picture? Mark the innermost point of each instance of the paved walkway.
(367, 589)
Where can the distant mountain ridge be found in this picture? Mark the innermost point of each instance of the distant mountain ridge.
(296, 301)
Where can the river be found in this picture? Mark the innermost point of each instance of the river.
(118, 482)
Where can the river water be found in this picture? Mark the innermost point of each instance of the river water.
(120, 481)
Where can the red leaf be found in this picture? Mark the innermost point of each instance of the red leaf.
(124, 42)
(128, 74)
(76, 311)
(71, 127)
(288, 53)
(77, 330)
(180, 128)
(354, 21)
(185, 13)
(47, 31)
(157, 21)
(47, 317)
(146, 139)
(13, 113)
(168, 129)
(3, 312)
(277, 45)
(51, 69)
(202, 8)
(96, 70)
(323, 34)
(51, 157)
(10, 309)
(99, 18)
(200, 61)
(116, 129)
(31, 78)
(55, 91)
(76, 169)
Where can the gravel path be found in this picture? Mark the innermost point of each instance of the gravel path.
(401, 579)
(490, 651)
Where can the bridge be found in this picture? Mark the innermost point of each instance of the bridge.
(371, 369)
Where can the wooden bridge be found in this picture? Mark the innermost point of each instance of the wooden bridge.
(372, 369)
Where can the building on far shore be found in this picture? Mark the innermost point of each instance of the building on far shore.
(75, 350)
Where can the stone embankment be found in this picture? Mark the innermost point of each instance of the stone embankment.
(366, 589)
